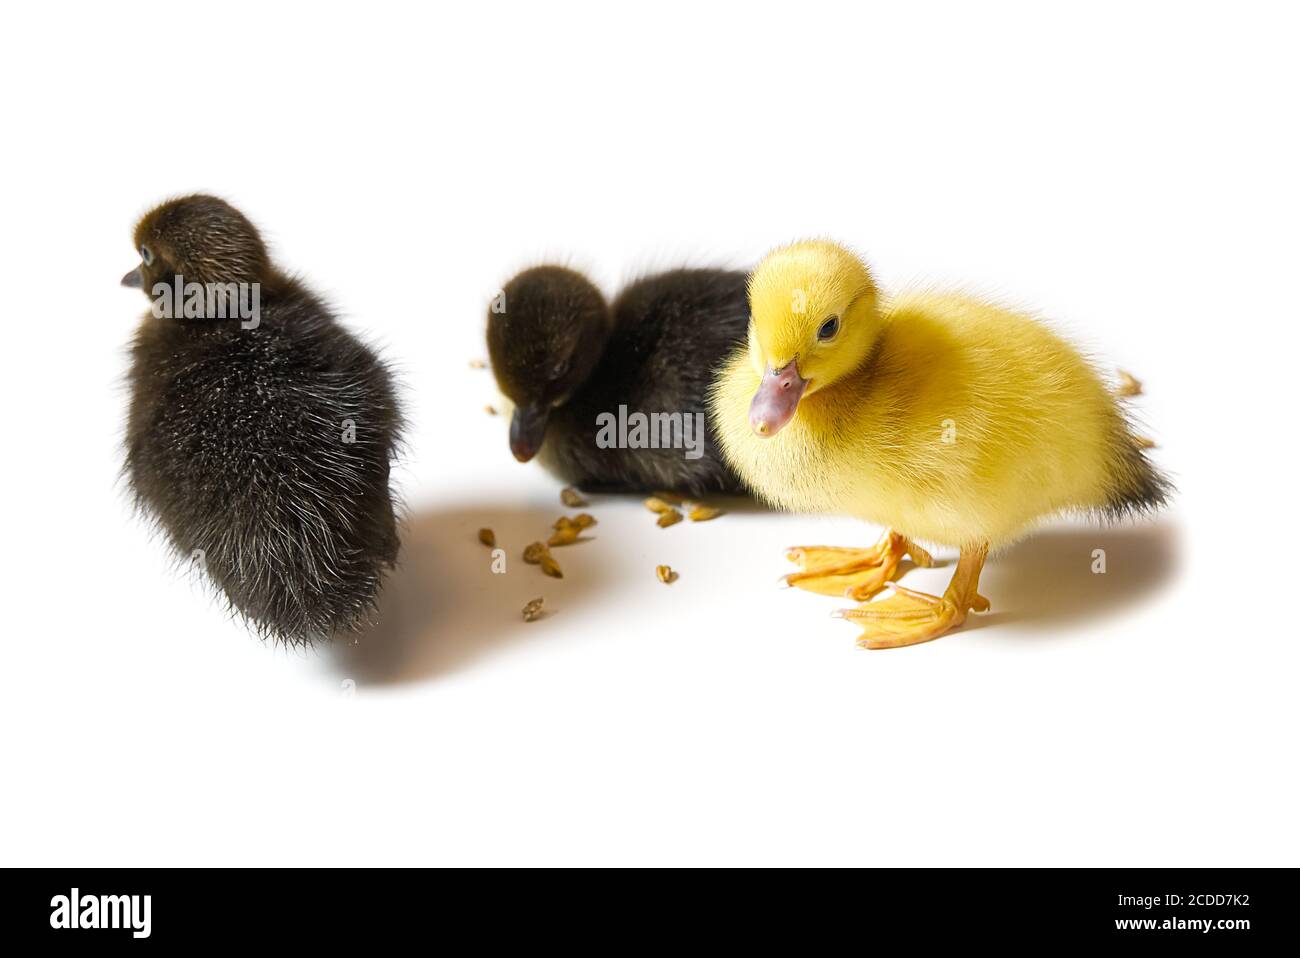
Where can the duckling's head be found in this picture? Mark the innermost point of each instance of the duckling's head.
(200, 238)
(813, 321)
(546, 331)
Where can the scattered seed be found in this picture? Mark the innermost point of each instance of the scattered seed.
(477, 364)
(702, 513)
(669, 518)
(533, 610)
(655, 504)
(564, 536)
(537, 553)
(572, 498)
(666, 575)
(670, 497)
(488, 538)
(490, 410)
(568, 530)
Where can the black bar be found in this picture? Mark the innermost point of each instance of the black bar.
(1220, 908)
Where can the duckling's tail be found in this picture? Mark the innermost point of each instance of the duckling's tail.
(1137, 487)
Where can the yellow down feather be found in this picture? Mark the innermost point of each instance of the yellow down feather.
(948, 419)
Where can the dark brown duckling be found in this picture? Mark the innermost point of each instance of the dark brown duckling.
(260, 431)
(615, 398)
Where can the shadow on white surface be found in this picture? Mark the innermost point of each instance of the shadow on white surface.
(1047, 585)
(443, 606)
(443, 609)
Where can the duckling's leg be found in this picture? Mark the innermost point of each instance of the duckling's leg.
(908, 617)
(857, 573)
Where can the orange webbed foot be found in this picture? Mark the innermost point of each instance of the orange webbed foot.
(857, 573)
(909, 617)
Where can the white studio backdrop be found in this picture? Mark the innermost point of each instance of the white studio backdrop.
(1126, 170)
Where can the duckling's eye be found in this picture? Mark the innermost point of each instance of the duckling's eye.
(829, 329)
(146, 254)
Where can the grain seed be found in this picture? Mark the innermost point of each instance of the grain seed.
(488, 538)
(1128, 385)
(702, 513)
(564, 536)
(572, 498)
(533, 610)
(669, 518)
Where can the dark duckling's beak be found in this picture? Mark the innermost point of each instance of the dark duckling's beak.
(777, 398)
(134, 279)
(527, 430)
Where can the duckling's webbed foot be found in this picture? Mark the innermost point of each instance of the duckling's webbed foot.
(857, 573)
(909, 617)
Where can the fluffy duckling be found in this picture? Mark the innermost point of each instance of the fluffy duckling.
(941, 417)
(260, 431)
(580, 372)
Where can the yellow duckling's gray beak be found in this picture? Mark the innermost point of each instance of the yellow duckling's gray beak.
(777, 399)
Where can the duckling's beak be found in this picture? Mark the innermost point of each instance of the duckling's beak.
(134, 279)
(777, 398)
(527, 430)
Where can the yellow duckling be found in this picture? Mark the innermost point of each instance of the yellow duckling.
(943, 418)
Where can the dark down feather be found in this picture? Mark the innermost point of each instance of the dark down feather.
(561, 354)
(263, 453)
(1139, 487)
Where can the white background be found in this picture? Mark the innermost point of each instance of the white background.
(1128, 170)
